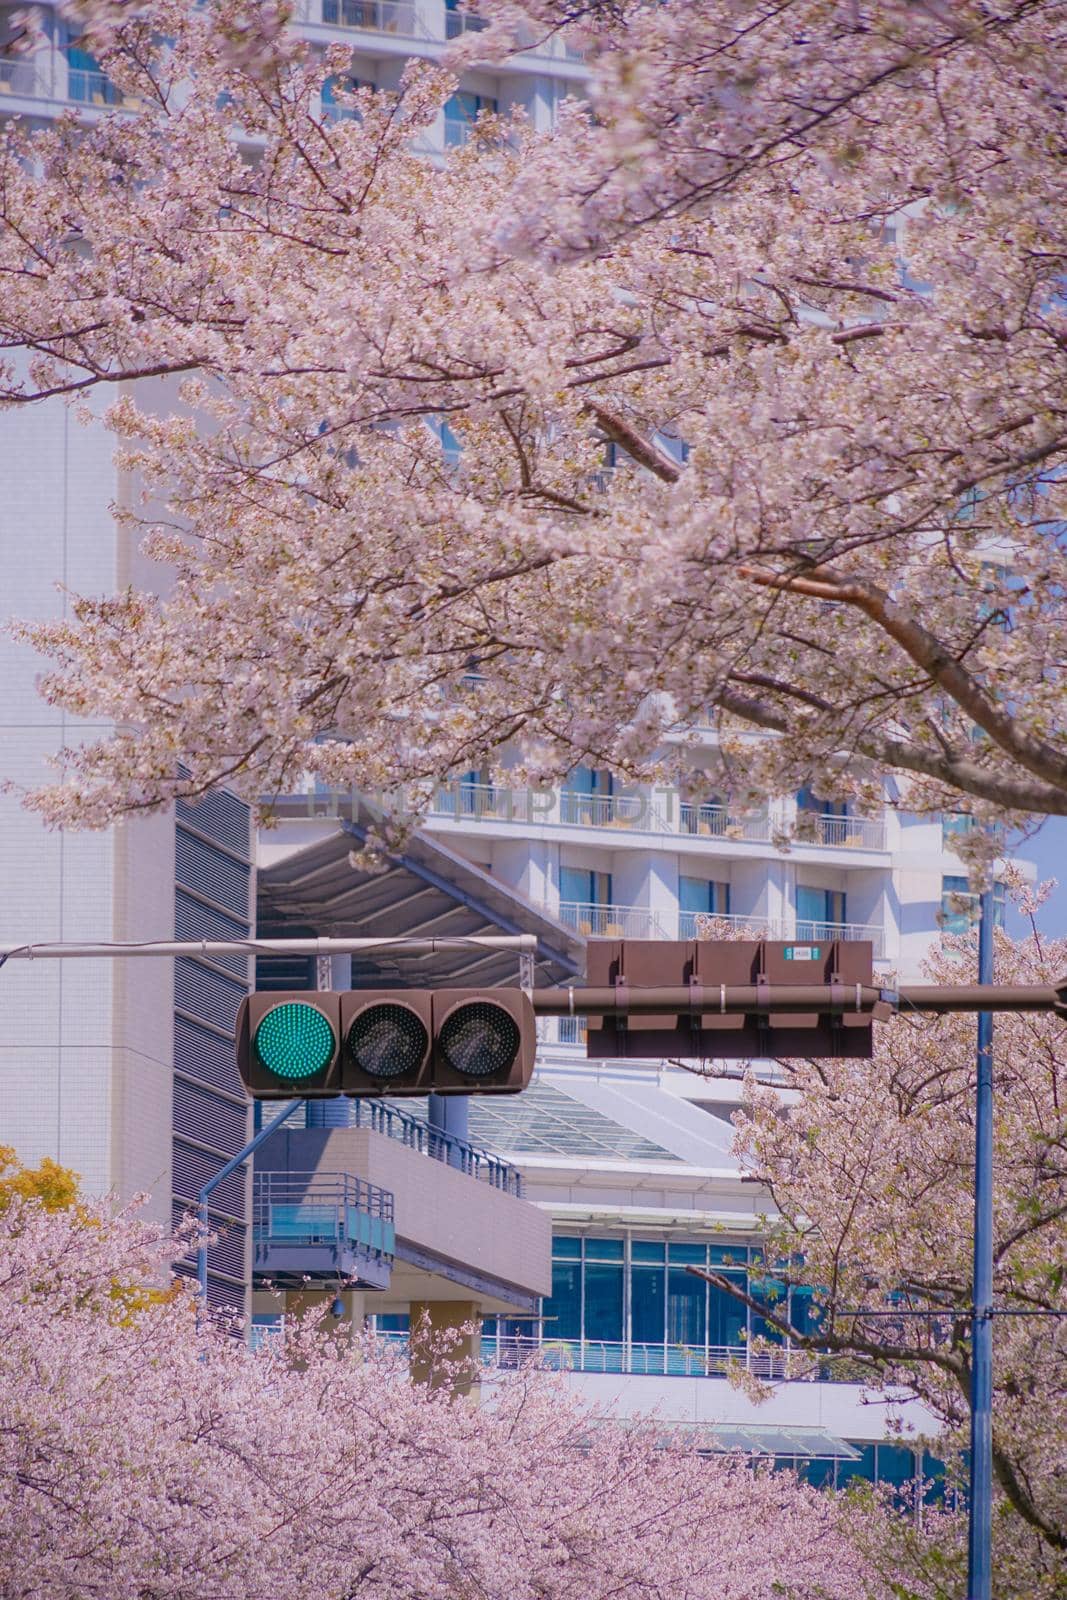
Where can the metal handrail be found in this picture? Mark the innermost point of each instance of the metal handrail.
(582, 809)
(714, 821)
(837, 832)
(701, 924)
(662, 1360)
(321, 1202)
(611, 922)
(399, 17)
(807, 931)
(382, 1117)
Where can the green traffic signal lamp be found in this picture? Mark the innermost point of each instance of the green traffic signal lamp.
(294, 1041)
(289, 1043)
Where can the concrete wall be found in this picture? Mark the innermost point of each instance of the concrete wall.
(85, 1049)
(843, 1409)
(438, 1209)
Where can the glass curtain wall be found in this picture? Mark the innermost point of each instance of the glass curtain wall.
(626, 1304)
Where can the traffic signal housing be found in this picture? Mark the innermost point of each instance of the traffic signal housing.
(288, 1043)
(386, 1042)
(707, 967)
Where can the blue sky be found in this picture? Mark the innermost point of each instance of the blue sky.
(1048, 850)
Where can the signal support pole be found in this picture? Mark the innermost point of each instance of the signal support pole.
(980, 1517)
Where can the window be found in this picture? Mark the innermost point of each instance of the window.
(586, 797)
(86, 79)
(955, 825)
(579, 886)
(959, 904)
(461, 112)
(819, 911)
(330, 108)
(457, 21)
(353, 13)
(709, 817)
(700, 896)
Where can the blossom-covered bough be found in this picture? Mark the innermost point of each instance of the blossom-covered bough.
(757, 380)
(870, 1171)
(142, 1453)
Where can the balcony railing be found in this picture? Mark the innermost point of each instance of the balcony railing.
(717, 822)
(90, 86)
(322, 1225)
(460, 22)
(669, 1360)
(824, 932)
(485, 802)
(612, 922)
(418, 1135)
(698, 924)
(399, 17)
(29, 78)
(610, 811)
(847, 833)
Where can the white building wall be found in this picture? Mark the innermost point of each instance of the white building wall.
(85, 1050)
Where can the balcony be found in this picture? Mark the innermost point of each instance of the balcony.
(718, 924)
(841, 833)
(645, 813)
(717, 822)
(400, 18)
(612, 922)
(383, 1118)
(321, 1225)
(458, 23)
(610, 811)
(666, 1360)
(849, 932)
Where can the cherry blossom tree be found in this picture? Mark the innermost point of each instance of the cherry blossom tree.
(740, 404)
(142, 1453)
(870, 1169)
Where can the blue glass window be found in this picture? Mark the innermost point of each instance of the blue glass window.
(566, 1244)
(461, 111)
(648, 1304)
(563, 1309)
(959, 904)
(700, 896)
(695, 1254)
(603, 1300)
(863, 1469)
(727, 1317)
(648, 1250)
(686, 1307)
(604, 1249)
(816, 908)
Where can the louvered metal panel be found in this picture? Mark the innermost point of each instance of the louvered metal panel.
(221, 1296)
(193, 1168)
(221, 816)
(209, 1119)
(211, 873)
(202, 1054)
(227, 1254)
(207, 995)
(195, 921)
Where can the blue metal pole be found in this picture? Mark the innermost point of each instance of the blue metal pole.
(980, 1523)
(224, 1172)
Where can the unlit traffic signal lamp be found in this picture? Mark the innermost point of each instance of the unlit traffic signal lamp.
(710, 968)
(394, 1042)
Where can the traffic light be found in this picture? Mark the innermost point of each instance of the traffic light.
(395, 1042)
(289, 1043)
(761, 965)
